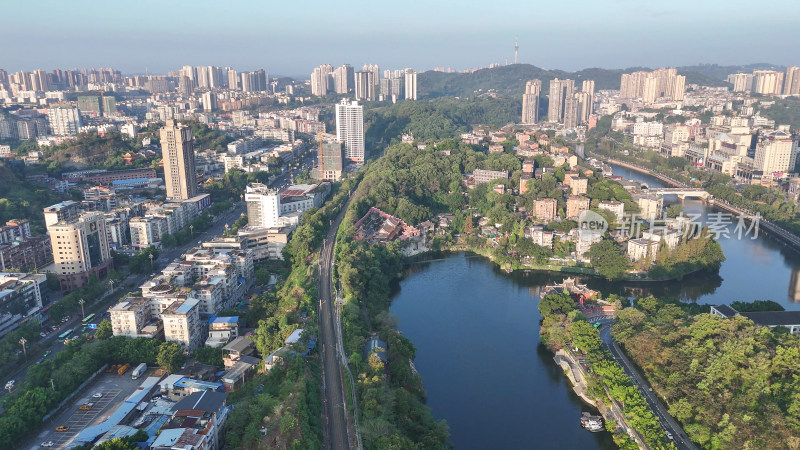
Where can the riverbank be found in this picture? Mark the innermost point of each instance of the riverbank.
(552, 268)
(577, 377)
(772, 229)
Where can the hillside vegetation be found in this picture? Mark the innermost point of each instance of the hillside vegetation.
(436, 119)
(731, 383)
(511, 80)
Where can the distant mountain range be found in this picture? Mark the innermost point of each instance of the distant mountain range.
(511, 79)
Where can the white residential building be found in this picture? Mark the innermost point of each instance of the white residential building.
(350, 130)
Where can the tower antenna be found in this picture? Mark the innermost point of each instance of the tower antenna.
(516, 50)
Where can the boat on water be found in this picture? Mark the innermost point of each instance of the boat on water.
(591, 423)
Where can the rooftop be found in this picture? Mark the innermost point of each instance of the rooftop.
(224, 319)
(239, 344)
(205, 401)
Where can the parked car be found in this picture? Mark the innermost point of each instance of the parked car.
(48, 444)
(86, 407)
(669, 435)
(97, 395)
(42, 334)
(62, 428)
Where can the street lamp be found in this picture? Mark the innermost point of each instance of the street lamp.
(111, 282)
(151, 261)
(81, 302)
(24, 341)
(191, 230)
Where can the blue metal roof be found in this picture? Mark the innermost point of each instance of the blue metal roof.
(133, 181)
(224, 319)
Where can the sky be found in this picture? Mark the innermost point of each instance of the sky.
(291, 38)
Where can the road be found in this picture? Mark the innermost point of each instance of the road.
(135, 280)
(669, 424)
(336, 418)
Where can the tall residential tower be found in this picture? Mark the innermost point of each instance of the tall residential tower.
(350, 130)
(530, 101)
(177, 151)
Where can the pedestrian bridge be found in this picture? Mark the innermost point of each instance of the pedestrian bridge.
(681, 192)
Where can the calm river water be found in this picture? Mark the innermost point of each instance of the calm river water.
(476, 330)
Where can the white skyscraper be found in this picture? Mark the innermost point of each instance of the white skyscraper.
(319, 80)
(530, 101)
(350, 129)
(233, 79)
(411, 84)
(64, 120)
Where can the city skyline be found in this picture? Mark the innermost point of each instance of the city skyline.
(622, 34)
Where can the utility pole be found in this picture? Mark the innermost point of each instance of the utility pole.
(81, 302)
(52, 385)
(151, 261)
(24, 341)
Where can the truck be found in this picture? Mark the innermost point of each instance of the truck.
(123, 369)
(138, 371)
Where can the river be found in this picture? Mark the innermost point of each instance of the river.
(476, 330)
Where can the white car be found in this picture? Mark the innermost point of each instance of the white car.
(669, 435)
(48, 444)
(97, 395)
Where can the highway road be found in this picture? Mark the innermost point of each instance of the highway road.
(335, 415)
(669, 424)
(135, 280)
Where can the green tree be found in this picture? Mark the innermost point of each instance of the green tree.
(103, 330)
(556, 304)
(170, 356)
(609, 261)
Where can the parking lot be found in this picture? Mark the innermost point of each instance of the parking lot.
(115, 390)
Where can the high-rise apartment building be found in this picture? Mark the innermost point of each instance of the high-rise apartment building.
(64, 120)
(177, 151)
(191, 73)
(560, 90)
(650, 86)
(233, 79)
(411, 84)
(585, 105)
(741, 81)
(767, 82)
(365, 87)
(255, 81)
(375, 70)
(571, 111)
(530, 101)
(791, 82)
(776, 152)
(344, 79)
(209, 101)
(350, 129)
(320, 80)
(263, 206)
(80, 250)
(650, 89)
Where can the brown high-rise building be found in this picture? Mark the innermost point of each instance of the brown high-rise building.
(177, 150)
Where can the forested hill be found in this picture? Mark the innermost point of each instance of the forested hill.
(511, 80)
(722, 72)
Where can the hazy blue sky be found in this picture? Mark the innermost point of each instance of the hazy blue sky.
(290, 38)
